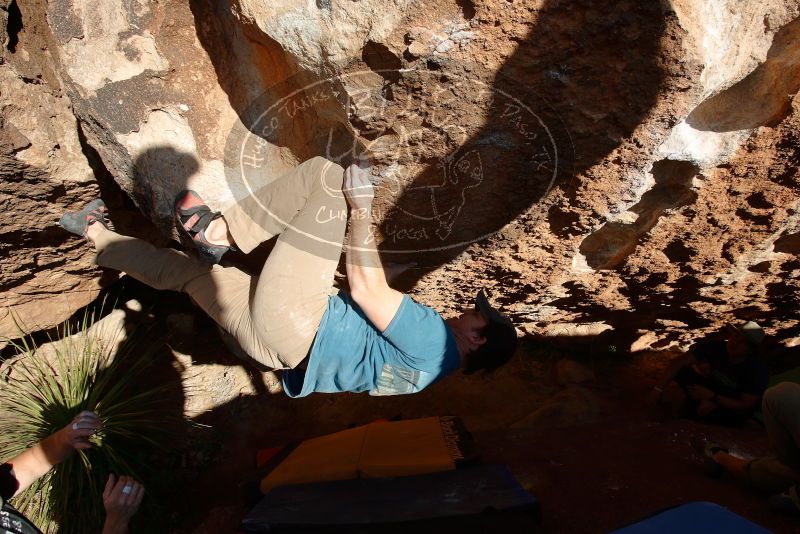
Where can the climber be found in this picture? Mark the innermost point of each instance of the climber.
(778, 473)
(289, 317)
(720, 382)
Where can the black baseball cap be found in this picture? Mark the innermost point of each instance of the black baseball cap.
(501, 336)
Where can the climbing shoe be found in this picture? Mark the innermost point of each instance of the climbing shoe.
(192, 217)
(707, 449)
(77, 222)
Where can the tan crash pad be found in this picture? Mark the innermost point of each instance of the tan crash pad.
(381, 449)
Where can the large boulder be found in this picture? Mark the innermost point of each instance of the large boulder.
(325, 36)
(45, 274)
(159, 87)
(617, 163)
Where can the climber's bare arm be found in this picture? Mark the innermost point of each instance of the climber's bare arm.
(34, 462)
(368, 285)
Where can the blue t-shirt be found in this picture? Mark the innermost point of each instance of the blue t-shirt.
(350, 354)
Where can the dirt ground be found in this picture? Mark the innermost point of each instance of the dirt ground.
(593, 454)
(597, 476)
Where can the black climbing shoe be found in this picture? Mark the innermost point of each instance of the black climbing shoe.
(192, 217)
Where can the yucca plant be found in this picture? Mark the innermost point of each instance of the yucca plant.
(142, 421)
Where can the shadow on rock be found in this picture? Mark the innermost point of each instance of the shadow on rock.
(461, 148)
(580, 82)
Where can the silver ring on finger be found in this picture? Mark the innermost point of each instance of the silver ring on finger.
(127, 489)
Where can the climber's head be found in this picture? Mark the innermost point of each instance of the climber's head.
(486, 338)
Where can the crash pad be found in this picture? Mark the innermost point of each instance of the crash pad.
(380, 449)
(694, 518)
(472, 499)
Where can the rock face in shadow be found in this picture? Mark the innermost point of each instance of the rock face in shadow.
(609, 161)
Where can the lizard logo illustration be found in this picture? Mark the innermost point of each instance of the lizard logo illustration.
(452, 163)
(447, 197)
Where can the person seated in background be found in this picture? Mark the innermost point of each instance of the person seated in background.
(720, 381)
(121, 497)
(778, 473)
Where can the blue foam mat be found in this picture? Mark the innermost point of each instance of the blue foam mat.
(461, 492)
(694, 518)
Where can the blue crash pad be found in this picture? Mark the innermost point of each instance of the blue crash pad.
(461, 494)
(694, 518)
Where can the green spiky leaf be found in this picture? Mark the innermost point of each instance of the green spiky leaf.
(39, 395)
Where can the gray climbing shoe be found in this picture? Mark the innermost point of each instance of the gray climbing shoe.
(77, 222)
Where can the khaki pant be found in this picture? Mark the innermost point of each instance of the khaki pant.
(781, 410)
(273, 316)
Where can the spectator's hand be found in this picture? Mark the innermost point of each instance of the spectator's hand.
(357, 187)
(700, 393)
(706, 407)
(77, 433)
(121, 499)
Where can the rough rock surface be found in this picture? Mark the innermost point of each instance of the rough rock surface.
(158, 88)
(203, 386)
(45, 275)
(616, 169)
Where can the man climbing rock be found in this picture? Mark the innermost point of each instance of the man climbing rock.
(289, 317)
